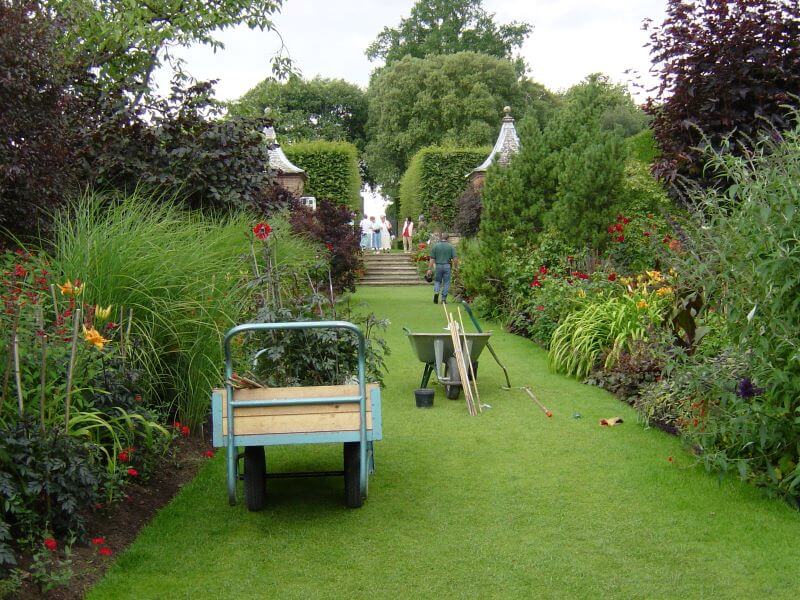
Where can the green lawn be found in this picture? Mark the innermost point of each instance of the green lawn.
(508, 504)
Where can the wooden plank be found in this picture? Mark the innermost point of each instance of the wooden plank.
(277, 393)
(312, 423)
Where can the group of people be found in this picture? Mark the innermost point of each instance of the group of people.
(377, 235)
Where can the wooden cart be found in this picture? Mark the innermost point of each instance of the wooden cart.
(346, 414)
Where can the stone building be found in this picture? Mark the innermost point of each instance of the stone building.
(506, 146)
(289, 175)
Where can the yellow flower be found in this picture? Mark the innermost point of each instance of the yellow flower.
(93, 337)
(641, 304)
(625, 280)
(581, 294)
(664, 291)
(68, 289)
(102, 313)
(655, 276)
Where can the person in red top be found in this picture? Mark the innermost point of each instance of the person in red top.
(408, 233)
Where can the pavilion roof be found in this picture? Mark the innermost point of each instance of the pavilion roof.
(506, 146)
(277, 159)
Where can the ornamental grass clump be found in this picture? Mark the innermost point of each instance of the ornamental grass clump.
(178, 273)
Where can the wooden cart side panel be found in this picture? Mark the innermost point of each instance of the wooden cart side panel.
(286, 421)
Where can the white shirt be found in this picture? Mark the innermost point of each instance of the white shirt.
(366, 226)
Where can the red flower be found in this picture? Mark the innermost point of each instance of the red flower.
(98, 506)
(611, 229)
(19, 271)
(570, 258)
(669, 458)
(185, 431)
(51, 544)
(98, 541)
(536, 282)
(421, 246)
(123, 456)
(137, 398)
(626, 220)
(620, 217)
(133, 472)
(620, 238)
(105, 551)
(612, 277)
(329, 246)
(262, 231)
(540, 307)
(666, 239)
(208, 454)
(646, 234)
(176, 424)
(581, 275)
(543, 270)
(619, 227)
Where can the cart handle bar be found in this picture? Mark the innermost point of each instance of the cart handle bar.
(362, 391)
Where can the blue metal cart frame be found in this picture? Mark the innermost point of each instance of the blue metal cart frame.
(231, 441)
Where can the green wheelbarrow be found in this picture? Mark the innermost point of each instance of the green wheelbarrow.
(436, 351)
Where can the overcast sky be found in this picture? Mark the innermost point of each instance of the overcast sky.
(571, 38)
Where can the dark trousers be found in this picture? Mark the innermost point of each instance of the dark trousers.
(442, 279)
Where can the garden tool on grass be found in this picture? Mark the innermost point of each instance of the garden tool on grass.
(535, 399)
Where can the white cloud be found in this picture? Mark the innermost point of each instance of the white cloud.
(571, 39)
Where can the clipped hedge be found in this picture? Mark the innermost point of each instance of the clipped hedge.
(332, 169)
(434, 180)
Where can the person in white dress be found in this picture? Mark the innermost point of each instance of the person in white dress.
(386, 234)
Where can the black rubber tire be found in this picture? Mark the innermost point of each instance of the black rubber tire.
(352, 475)
(453, 391)
(255, 478)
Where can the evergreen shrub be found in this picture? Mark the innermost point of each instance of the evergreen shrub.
(332, 169)
(434, 180)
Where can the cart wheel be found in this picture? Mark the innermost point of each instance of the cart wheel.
(352, 476)
(453, 391)
(255, 477)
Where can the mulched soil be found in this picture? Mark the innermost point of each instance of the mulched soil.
(120, 524)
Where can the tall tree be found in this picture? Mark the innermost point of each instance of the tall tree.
(448, 27)
(453, 99)
(727, 67)
(316, 109)
(125, 41)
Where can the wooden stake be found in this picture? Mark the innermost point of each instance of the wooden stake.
(469, 360)
(71, 366)
(55, 300)
(459, 356)
(42, 367)
(18, 376)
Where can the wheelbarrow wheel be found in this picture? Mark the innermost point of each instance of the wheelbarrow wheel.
(452, 390)
(352, 475)
(255, 477)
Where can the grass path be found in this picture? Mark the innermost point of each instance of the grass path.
(505, 505)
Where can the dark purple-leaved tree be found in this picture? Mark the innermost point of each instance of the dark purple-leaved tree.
(726, 68)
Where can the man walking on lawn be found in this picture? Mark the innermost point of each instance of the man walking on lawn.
(443, 258)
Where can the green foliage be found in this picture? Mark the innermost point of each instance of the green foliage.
(177, 271)
(332, 169)
(447, 27)
(742, 254)
(569, 175)
(454, 99)
(125, 41)
(643, 147)
(435, 179)
(606, 326)
(314, 109)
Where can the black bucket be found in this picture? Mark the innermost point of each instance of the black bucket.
(424, 398)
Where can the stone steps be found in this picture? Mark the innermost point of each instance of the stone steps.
(390, 269)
